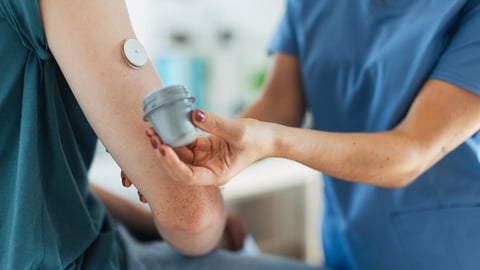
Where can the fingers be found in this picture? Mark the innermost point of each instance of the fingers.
(150, 132)
(156, 143)
(177, 167)
(179, 161)
(215, 125)
(185, 153)
(141, 197)
(125, 181)
(185, 172)
(155, 140)
(235, 232)
(181, 170)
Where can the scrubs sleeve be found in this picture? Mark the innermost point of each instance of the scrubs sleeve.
(24, 17)
(285, 39)
(460, 62)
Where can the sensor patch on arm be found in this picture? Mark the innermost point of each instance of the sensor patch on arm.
(134, 54)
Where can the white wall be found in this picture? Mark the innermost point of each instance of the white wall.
(232, 69)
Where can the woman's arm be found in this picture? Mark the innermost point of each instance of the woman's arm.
(440, 119)
(86, 39)
(282, 100)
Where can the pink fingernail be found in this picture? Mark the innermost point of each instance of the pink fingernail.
(200, 116)
(154, 143)
(141, 198)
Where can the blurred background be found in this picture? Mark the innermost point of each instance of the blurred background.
(218, 49)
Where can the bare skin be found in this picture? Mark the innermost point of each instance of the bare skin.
(85, 38)
(139, 221)
(441, 117)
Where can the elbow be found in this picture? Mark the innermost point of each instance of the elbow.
(193, 233)
(195, 223)
(400, 180)
(411, 158)
(196, 237)
(404, 171)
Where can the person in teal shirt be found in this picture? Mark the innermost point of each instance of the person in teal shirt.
(63, 83)
(394, 91)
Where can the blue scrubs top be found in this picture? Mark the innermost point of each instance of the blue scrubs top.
(362, 63)
(49, 218)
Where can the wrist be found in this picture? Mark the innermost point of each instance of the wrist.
(275, 141)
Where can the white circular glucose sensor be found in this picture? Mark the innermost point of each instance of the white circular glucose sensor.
(134, 53)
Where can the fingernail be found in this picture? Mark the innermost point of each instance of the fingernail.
(154, 143)
(141, 198)
(122, 175)
(200, 116)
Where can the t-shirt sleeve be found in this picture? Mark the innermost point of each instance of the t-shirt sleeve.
(285, 39)
(24, 17)
(460, 62)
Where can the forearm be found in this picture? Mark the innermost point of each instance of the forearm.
(386, 159)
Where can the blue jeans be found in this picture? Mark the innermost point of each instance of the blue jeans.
(159, 255)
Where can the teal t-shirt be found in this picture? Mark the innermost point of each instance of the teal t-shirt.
(49, 217)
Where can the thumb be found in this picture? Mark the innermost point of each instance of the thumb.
(216, 125)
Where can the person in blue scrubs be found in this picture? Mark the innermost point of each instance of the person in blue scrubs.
(63, 82)
(394, 90)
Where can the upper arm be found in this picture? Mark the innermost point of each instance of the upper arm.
(85, 38)
(446, 111)
(282, 100)
(441, 117)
